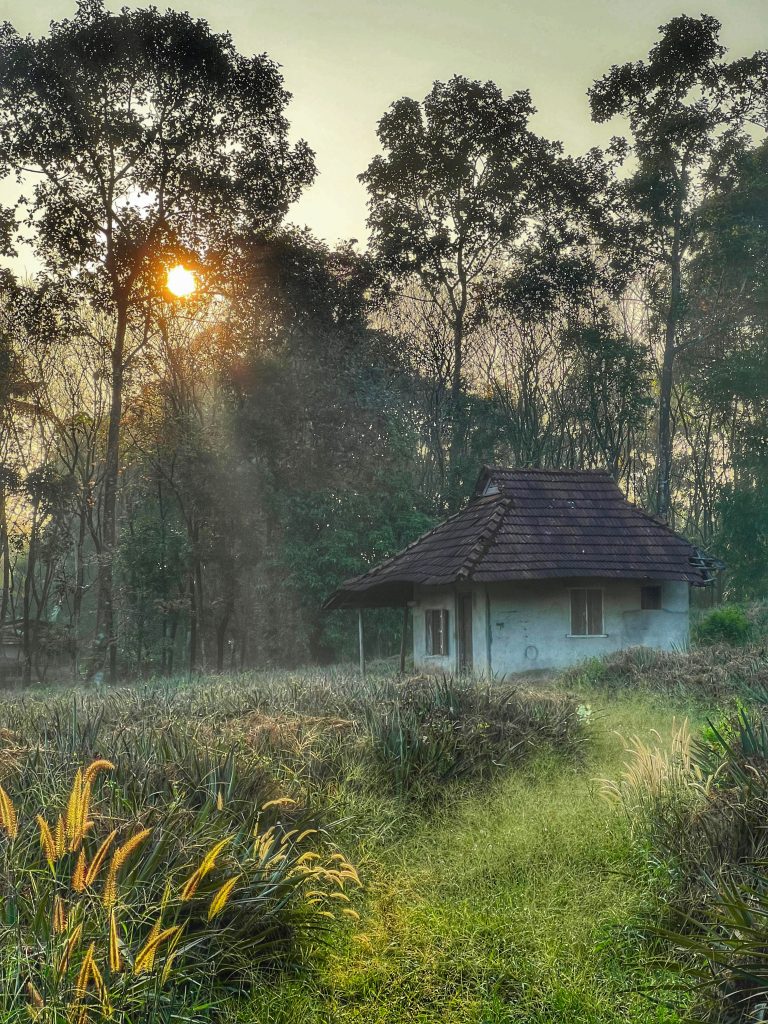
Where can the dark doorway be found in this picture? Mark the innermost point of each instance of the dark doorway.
(465, 632)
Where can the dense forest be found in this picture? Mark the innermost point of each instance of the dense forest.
(185, 477)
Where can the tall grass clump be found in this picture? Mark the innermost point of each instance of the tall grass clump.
(432, 731)
(106, 916)
(658, 784)
(313, 733)
(699, 808)
(723, 930)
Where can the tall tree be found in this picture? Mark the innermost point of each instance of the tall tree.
(461, 177)
(465, 194)
(728, 379)
(686, 110)
(148, 139)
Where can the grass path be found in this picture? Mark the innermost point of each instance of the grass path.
(515, 906)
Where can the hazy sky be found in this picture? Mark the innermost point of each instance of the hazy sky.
(345, 61)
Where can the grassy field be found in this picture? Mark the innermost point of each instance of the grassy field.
(514, 903)
(499, 887)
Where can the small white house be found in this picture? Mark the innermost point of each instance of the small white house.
(542, 569)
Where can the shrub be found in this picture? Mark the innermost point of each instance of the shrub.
(727, 625)
(106, 917)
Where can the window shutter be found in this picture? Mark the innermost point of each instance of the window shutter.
(586, 612)
(594, 612)
(437, 630)
(650, 598)
(578, 612)
(444, 631)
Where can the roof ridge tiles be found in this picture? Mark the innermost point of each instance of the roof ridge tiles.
(485, 540)
(521, 470)
(376, 569)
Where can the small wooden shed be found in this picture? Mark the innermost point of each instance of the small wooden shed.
(540, 570)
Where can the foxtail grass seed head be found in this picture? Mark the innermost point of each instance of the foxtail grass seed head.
(78, 875)
(69, 947)
(34, 996)
(189, 888)
(98, 858)
(122, 853)
(86, 972)
(145, 959)
(60, 838)
(283, 801)
(146, 955)
(211, 857)
(84, 807)
(73, 809)
(221, 898)
(47, 842)
(59, 915)
(119, 857)
(95, 767)
(109, 896)
(115, 956)
(101, 989)
(8, 820)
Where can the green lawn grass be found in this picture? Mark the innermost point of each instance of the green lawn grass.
(510, 904)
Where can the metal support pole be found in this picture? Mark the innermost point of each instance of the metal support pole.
(361, 640)
(402, 639)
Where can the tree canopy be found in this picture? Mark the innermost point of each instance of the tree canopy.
(184, 480)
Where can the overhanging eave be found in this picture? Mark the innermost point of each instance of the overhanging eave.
(385, 595)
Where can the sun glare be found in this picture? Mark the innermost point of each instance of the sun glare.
(181, 282)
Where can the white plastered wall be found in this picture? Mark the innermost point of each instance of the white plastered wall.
(522, 626)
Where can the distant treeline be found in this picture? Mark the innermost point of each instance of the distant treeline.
(183, 480)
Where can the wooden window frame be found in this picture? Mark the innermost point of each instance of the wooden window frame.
(437, 644)
(588, 616)
(648, 604)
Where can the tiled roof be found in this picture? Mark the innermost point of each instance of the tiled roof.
(531, 524)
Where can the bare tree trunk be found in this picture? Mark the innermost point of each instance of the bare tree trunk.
(665, 439)
(27, 638)
(192, 624)
(111, 478)
(5, 554)
(200, 604)
(172, 644)
(221, 633)
(458, 426)
(77, 603)
(195, 591)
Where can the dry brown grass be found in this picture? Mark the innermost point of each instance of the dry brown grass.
(707, 673)
(264, 732)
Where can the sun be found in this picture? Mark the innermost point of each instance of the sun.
(180, 281)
